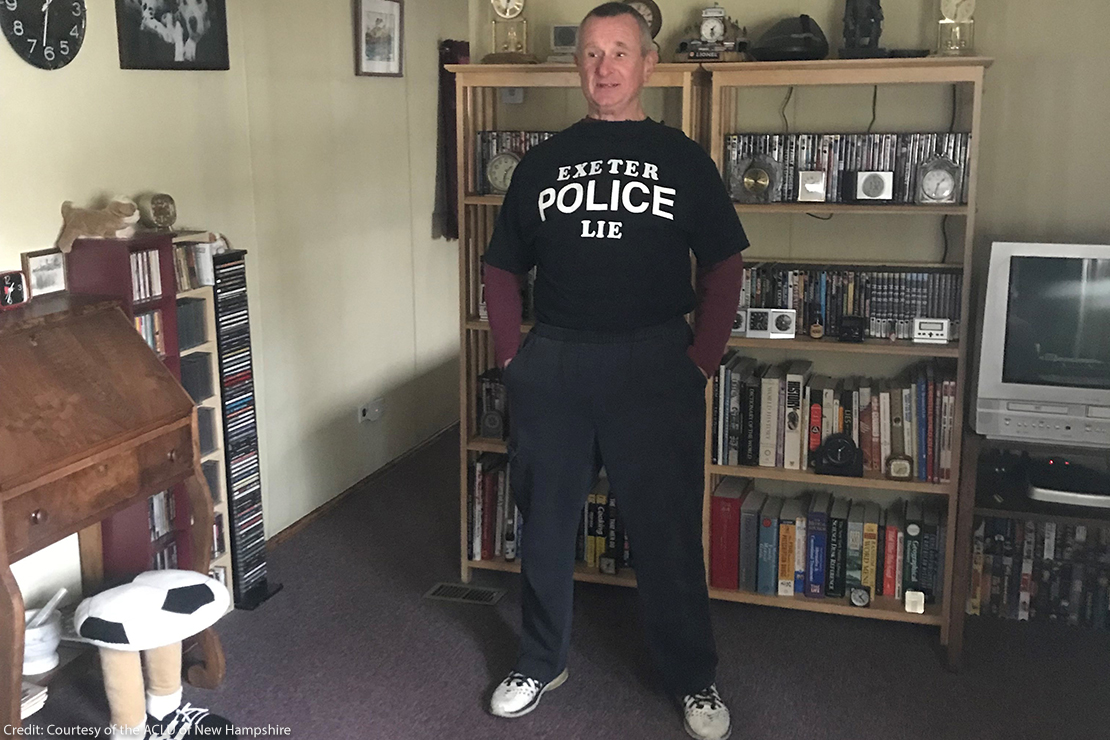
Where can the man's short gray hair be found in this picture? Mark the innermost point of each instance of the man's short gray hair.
(612, 10)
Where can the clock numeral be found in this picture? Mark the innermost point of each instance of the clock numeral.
(11, 4)
(48, 53)
(64, 47)
(74, 32)
(17, 27)
(77, 9)
(32, 42)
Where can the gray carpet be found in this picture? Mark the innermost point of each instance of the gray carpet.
(350, 649)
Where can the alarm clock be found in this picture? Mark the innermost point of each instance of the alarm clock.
(899, 467)
(868, 185)
(755, 179)
(811, 186)
(492, 425)
(740, 323)
(937, 182)
(13, 289)
(770, 323)
(859, 596)
(839, 455)
(931, 331)
(499, 171)
(851, 329)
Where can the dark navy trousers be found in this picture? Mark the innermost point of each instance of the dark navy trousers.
(635, 403)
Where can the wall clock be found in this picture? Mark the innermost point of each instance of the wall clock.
(45, 33)
(651, 13)
(507, 9)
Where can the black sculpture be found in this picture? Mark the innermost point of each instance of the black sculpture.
(863, 24)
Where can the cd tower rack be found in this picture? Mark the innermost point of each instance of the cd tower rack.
(244, 477)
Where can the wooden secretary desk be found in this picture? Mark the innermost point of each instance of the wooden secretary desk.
(91, 421)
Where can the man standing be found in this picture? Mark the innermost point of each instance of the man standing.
(608, 212)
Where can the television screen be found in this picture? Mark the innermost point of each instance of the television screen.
(1058, 322)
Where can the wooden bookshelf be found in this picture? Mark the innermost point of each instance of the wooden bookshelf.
(709, 114)
(216, 456)
(103, 267)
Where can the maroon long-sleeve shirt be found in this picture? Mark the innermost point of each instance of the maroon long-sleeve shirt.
(717, 289)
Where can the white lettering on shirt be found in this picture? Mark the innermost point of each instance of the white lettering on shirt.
(651, 172)
(657, 200)
(626, 199)
(595, 167)
(591, 204)
(546, 200)
(577, 190)
(564, 174)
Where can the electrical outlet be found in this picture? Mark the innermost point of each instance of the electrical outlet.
(372, 411)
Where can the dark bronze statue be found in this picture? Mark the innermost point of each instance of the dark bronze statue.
(863, 24)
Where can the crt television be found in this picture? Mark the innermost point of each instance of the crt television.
(1044, 361)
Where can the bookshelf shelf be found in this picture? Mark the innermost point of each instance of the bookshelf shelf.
(867, 347)
(581, 572)
(886, 209)
(710, 113)
(1042, 516)
(882, 607)
(870, 480)
(209, 346)
(486, 444)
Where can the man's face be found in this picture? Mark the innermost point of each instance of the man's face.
(612, 67)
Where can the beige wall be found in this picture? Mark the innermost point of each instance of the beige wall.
(327, 178)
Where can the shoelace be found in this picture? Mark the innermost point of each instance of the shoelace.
(521, 680)
(705, 698)
(183, 721)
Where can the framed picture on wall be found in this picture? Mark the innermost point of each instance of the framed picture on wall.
(172, 34)
(379, 32)
(45, 271)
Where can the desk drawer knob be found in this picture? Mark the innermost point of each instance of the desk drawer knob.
(172, 455)
(38, 516)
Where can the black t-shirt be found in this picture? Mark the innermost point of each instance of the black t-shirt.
(608, 212)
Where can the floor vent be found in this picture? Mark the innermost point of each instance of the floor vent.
(465, 594)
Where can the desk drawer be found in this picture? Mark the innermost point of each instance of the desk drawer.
(165, 457)
(50, 512)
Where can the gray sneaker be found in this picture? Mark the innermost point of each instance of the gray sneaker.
(518, 694)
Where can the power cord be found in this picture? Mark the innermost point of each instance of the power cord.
(782, 110)
(874, 107)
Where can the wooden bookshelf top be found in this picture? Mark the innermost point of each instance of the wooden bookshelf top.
(931, 69)
(558, 75)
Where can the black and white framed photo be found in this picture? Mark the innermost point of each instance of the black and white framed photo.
(379, 31)
(45, 271)
(172, 34)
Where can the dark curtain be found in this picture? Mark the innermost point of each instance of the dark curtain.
(445, 220)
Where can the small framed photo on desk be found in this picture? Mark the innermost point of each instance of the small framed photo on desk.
(45, 271)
